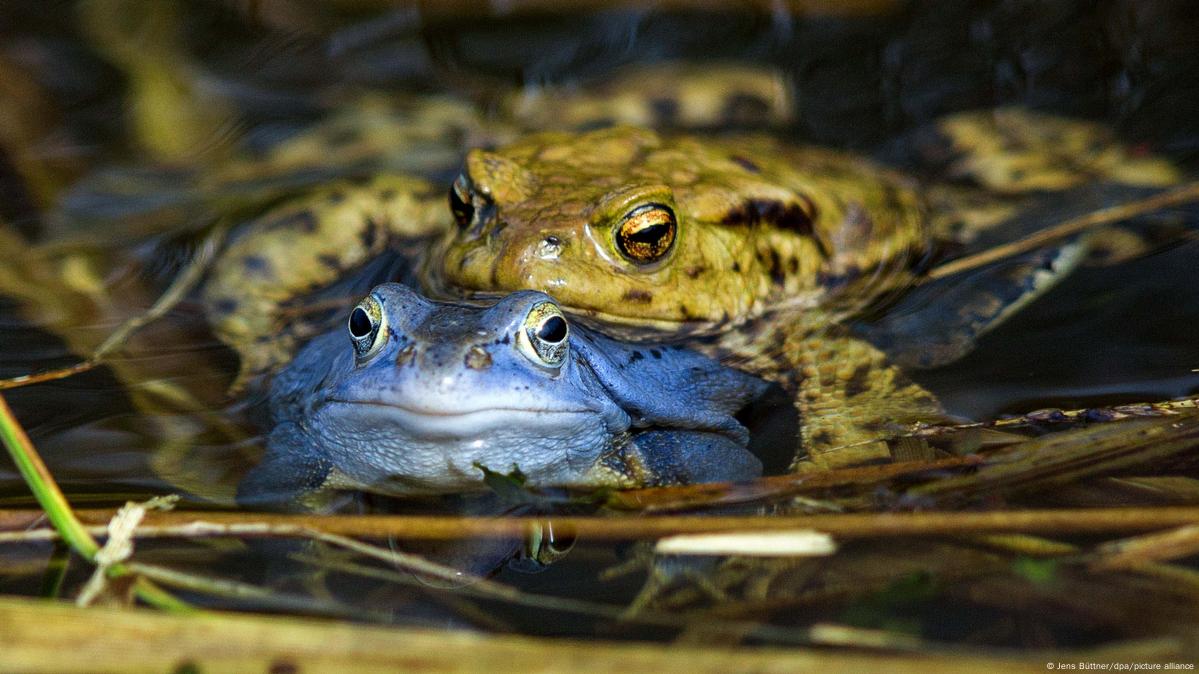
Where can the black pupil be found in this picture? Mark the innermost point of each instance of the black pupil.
(553, 330)
(463, 211)
(650, 235)
(360, 323)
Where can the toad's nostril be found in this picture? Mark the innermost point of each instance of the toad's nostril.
(549, 248)
(478, 358)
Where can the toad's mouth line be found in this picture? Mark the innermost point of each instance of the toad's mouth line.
(640, 327)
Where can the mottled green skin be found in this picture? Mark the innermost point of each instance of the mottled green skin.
(759, 223)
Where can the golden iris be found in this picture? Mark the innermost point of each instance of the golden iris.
(647, 233)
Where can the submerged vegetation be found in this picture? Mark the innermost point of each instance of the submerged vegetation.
(1051, 514)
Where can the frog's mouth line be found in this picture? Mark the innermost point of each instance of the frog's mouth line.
(469, 424)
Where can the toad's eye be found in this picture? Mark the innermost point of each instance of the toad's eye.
(366, 327)
(647, 233)
(545, 335)
(461, 204)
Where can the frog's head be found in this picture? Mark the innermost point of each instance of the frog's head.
(427, 389)
(631, 227)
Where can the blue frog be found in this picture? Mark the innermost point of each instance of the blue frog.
(414, 396)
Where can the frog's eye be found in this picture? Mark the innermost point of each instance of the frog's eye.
(460, 202)
(545, 335)
(366, 326)
(647, 233)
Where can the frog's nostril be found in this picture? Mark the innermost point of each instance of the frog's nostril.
(478, 358)
(406, 355)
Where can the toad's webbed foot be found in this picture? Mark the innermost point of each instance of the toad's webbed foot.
(941, 322)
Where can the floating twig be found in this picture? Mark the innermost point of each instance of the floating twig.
(1105, 216)
(47, 375)
(175, 292)
(181, 524)
(1135, 552)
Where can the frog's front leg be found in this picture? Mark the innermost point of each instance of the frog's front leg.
(659, 457)
(688, 457)
(289, 477)
(253, 290)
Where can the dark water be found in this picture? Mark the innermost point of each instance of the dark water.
(1105, 336)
